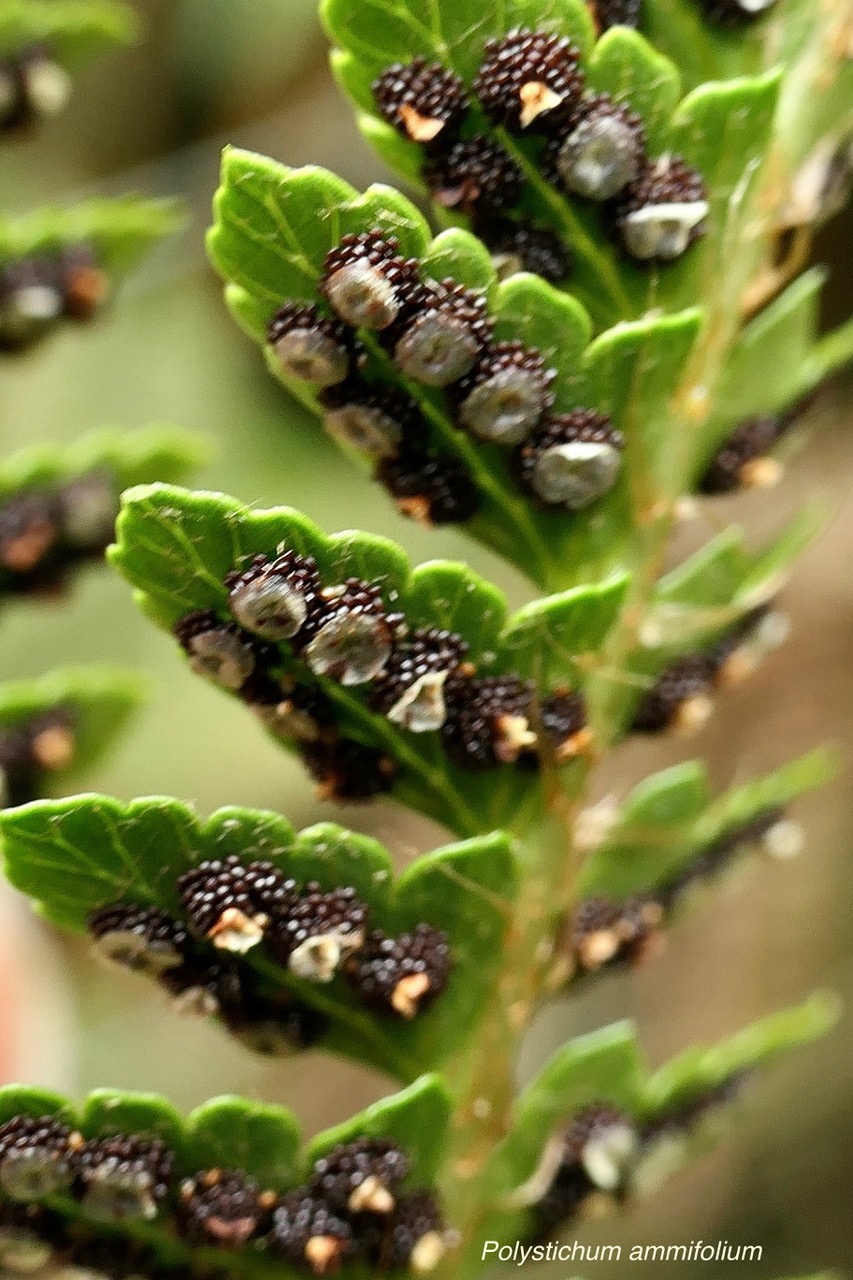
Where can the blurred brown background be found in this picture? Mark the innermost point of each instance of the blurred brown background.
(154, 119)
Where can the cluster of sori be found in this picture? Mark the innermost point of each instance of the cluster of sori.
(49, 529)
(604, 1155)
(681, 699)
(603, 933)
(39, 291)
(439, 335)
(229, 908)
(234, 658)
(352, 1207)
(201, 981)
(31, 750)
(744, 460)
(530, 85)
(420, 679)
(33, 86)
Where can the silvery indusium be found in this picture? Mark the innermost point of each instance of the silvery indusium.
(610, 331)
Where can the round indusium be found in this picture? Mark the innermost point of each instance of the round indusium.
(529, 79)
(351, 649)
(488, 721)
(444, 341)
(146, 939)
(222, 1207)
(506, 396)
(124, 1177)
(36, 1157)
(403, 975)
(307, 1233)
(424, 101)
(316, 931)
(355, 641)
(605, 1142)
(573, 461)
(223, 902)
(272, 599)
(411, 689)
(602, 931)
(363, 1176)
(663, 211)
(309, 346)
(603, 150)
(218, 651)
(372, 418)
(366, 281)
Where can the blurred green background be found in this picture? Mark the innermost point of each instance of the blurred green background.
(153, 120)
